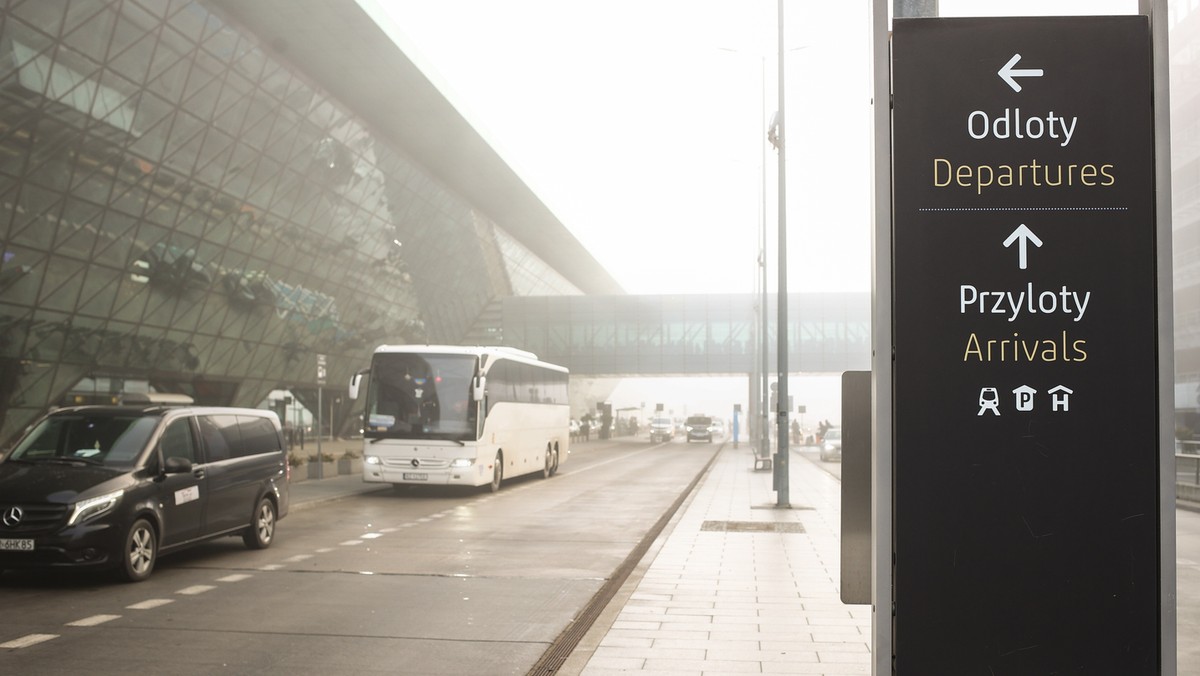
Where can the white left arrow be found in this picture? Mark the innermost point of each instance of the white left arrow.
(1023, 236)
(1010, 74)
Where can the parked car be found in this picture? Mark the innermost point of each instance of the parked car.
(661, 429)
(117, 486)
(699, 427)
(831, 445)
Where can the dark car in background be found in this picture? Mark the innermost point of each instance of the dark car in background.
(116, 486)
(699, 428)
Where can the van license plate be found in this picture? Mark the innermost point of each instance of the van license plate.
(15, 545)
(414, 476)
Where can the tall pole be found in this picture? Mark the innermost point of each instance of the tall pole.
(782, 496)
(320, 457)
(764, 427)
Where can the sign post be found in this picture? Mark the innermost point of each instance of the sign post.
(1025, 290)
(320, 387)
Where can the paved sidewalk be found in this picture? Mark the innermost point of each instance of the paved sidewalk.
(737, 600)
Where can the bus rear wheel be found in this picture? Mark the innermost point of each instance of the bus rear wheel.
(497, 473)
(548, 465)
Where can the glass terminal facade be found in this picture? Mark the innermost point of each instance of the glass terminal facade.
(184, 212)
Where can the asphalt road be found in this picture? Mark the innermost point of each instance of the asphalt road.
(421, 581)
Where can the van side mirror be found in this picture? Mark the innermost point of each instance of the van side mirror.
(478, 387)
(355, 381)
(176, 465)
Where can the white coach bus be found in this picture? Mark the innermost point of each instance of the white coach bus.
(470, 416)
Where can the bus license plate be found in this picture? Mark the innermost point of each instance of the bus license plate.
(15, 545)
(416, 476)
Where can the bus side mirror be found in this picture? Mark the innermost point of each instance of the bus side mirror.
(355, 381)
(478, 386)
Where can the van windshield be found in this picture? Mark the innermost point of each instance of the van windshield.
(108, 440)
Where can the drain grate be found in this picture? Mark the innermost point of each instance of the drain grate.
(753, 526)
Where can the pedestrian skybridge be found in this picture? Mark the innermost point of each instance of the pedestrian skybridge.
(688, 334)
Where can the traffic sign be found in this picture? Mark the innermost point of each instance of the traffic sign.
(1025, 393)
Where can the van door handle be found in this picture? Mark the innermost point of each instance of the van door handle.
(198, 473)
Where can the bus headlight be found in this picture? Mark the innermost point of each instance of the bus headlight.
(94, 507)
(372, 460)
(461, 463)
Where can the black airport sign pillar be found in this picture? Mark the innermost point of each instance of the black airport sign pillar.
(1025, 398)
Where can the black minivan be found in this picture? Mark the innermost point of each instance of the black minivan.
(115, 486)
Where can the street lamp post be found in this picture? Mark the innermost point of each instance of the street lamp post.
(764, 426)
(762, 430)
(782, 496)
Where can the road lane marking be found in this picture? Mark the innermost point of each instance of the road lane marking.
(351, 543)
(149, 604)
(297, 558)
(238, 577)
(195, 589)
(272, 566)
(325, 550)
(26, 641)
(371, 536)
(93, 620)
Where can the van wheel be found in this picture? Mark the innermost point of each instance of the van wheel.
(261, 532)
(140, 553)
(497, 473)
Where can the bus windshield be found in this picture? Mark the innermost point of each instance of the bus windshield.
(421, 396)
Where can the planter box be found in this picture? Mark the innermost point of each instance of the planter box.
(349, 466)
(328, 469)
(299, 473)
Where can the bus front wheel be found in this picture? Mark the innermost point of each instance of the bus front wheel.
(497, 472)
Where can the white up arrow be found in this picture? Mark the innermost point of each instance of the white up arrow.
(1023, 236)
(1010, 74)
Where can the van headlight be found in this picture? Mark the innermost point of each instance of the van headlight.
(94, 507)
(461, 463)
(372, 460)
